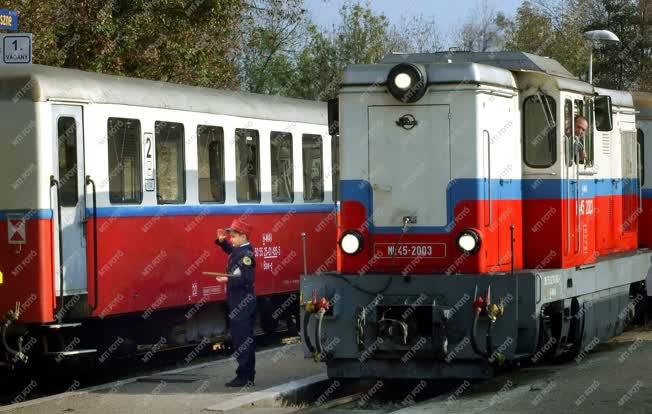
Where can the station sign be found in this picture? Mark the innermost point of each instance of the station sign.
(8, 20)
(16, 49)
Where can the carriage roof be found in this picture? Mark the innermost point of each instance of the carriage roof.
(42, 83)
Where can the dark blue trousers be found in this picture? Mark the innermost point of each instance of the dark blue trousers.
(242, 333)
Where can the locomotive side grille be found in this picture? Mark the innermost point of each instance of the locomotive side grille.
(606, 143)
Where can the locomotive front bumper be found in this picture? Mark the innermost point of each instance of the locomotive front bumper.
(434, 326)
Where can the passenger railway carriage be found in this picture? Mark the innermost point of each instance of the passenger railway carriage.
(472, 233)
(112, 191)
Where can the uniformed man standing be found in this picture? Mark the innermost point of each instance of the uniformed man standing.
(240, 298)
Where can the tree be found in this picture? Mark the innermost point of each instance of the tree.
(274, 30)
(483, 30)
(625, 65)
(192, 42)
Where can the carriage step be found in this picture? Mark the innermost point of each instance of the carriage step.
(65, 354)
(61, 325)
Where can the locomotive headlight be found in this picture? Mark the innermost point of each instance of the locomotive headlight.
(403, 81)
(468, 241)
(351, 242)
(407, 82)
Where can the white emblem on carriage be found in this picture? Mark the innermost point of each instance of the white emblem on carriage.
(407, 121)
(16, 229)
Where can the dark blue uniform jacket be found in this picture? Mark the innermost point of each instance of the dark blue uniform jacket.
(240, 287)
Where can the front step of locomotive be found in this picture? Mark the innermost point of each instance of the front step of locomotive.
(462, 326)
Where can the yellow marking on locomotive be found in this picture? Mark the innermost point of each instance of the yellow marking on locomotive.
(1, 278)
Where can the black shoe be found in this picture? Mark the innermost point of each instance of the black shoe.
(238, 382)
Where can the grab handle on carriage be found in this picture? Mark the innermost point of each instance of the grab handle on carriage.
(55, 183)
(95, 273)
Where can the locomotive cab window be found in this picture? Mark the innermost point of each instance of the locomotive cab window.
(539, 131)
(247, 164)
(313, 169)
(125, 170)
(67, 134)
(282, 169)
(210, 153)
(170, 187)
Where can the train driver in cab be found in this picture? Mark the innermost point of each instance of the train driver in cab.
(580, 127)
(240, 298)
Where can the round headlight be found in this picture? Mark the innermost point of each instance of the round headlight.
(403, 81)
(468, 241)
(407, 82)
(351, 243)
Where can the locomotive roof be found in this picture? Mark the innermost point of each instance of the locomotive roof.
(643, 104)
(512, 61)
(437, 73)
(43, 83)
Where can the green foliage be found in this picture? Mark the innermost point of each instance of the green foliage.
(191, 42)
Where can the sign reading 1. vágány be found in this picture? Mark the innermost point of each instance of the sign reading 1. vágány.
(16, 49)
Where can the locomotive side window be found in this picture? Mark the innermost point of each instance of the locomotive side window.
(170, 188)
(282, 169)
(313, 168)
(210, 153)
(67, 133)
(247, 164)
(335, 159)
(125, 170)
(640, 138)
(539, 131)
(588, 137)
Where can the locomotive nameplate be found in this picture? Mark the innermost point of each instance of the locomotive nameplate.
(410, 250)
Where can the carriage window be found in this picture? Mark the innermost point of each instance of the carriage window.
(539, 131)
(67, 132)
(313, 169)
(335, 158)
(170, 187)
(282, 179)
(640, 138)
(247, 164)
(125, 171)
(210, 153)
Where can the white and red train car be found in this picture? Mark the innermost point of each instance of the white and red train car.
(112, 191)
(467, 211)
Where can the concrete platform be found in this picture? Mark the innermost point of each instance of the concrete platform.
(194, 389)
(615, 377)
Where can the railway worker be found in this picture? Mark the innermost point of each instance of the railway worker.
(241, 299)
(581, 125)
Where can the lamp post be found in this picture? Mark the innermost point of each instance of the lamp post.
(595, 37)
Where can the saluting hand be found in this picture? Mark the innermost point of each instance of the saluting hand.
(221, 235)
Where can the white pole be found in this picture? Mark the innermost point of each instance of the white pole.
(591, 63)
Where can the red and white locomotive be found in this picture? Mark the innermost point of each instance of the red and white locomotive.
(112, 189)
(471, 231)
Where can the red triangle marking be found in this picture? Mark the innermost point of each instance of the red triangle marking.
(16, 237)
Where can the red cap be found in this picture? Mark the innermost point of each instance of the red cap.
(240, 226)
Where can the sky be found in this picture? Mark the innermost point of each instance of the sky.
(451, 13)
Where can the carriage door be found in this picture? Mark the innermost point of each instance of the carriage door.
(409, 164)
(69, 171)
